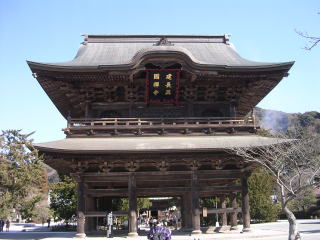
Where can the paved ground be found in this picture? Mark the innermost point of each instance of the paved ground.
(310, 230)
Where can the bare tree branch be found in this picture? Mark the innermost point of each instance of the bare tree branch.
(312, 41)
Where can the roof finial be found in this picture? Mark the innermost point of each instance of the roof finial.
(163, 42)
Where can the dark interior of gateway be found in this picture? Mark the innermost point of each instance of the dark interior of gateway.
(162, 209)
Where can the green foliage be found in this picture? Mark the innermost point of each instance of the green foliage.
(143, 203)
(261, 186)
(209, 202)
(303, 201)
(28, 208)
(123, 204)
(41, 213)
(21, 173)
(63, 199)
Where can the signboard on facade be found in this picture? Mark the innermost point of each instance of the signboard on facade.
(162, 86)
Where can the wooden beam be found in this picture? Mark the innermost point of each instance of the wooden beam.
(160, 173)
(161, 176)
(160, 190)
(220, 189)
(104, 213)
(223, 210)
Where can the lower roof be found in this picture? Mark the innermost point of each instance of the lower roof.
(154, 144)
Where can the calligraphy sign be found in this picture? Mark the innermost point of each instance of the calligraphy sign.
(162, 86)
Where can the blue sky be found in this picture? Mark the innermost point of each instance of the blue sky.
(50, 31)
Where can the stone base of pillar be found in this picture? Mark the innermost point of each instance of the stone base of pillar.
(210, 230)
(246, 230)
(80, 235)
(133, 234)
(196, 232)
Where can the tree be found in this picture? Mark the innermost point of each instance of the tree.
(28, 209)
(312, 40)
(261, 186)
(295, 165)
(22, 176)
(123, 203)
(304, 202)
(63, 199)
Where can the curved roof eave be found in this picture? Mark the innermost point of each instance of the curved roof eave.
(154, 144)
(198, 66)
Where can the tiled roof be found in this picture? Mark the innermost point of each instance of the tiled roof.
(154, 144)
(109, 51)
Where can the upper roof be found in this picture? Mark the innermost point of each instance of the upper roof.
(126, 51)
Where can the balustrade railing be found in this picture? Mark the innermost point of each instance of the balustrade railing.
(80, 127)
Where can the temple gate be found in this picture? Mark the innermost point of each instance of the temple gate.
(151, 115)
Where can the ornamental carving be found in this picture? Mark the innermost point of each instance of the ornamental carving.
(106, 167)
(132, 166)
(163, 42)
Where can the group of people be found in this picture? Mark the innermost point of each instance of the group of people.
(159, 230)
(2, 223)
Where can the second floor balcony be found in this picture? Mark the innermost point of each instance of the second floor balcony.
(111, 127)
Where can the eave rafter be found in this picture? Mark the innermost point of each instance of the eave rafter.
(72, 90)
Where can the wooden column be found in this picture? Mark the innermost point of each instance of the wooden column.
(234, 220)
(90, 224)
(195, 204)
(223, 215)
(245, 203)
(132, 206)
(80, 210)
(186, 211)
(183, 212)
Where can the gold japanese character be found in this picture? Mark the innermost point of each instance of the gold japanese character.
(156, 84)
(155, 92)
(168, 85)
(156, 76)
(169, 76)
(167, 92)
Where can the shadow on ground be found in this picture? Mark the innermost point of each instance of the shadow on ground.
(309, 223)
(35, 235)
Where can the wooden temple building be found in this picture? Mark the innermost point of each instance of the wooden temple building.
(152, 116)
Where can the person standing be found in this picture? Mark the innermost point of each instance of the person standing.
(7, 225)
(1, 225)
(49, 221)
(159, 232)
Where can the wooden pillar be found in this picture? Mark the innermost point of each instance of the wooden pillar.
(80, 211)
(245, 203)
(195, 204)
(186, 211)
(132, 206)
(183, 212)
(232, 110)
(90, 224)
(234, 220)
(223, 215)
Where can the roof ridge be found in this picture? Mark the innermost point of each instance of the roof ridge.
(101, 38)
(157, 35)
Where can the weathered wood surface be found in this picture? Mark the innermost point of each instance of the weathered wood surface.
(223, 210)
(140, 126)
(159, 190)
